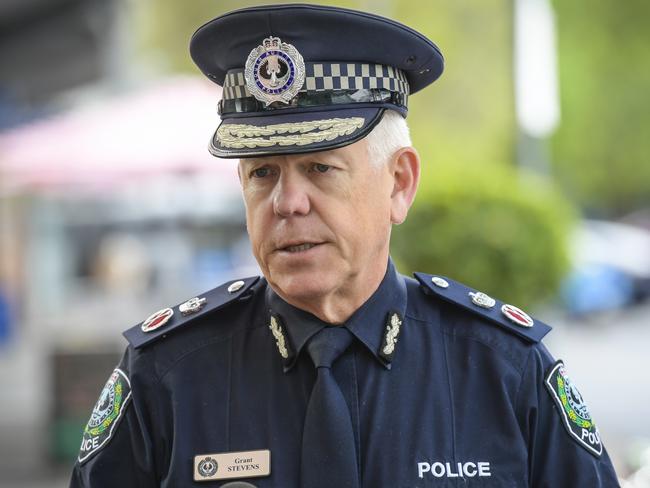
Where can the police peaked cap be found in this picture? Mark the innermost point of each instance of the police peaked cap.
(300, 78)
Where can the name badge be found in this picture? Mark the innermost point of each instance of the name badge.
(227, 465)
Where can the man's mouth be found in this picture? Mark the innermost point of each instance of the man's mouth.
(299, 247)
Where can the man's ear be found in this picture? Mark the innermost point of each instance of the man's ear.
(405, 169)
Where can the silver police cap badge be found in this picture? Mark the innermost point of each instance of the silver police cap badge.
(274, 71)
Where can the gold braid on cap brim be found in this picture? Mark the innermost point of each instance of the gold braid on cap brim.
(239, 136)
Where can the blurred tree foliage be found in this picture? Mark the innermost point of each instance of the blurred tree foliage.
(602, 149)
(496, 230)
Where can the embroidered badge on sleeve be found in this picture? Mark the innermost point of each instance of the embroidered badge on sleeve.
(575, 414)
(106, 414)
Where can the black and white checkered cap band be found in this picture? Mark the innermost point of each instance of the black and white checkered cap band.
(331, 76)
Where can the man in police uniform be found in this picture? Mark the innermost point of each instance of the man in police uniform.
(333, 370)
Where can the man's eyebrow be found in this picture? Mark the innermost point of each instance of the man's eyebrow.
(248, 162)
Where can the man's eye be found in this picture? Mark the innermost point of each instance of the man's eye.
(322, 168)
(260, 172)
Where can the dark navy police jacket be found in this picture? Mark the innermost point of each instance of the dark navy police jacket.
(464, 398)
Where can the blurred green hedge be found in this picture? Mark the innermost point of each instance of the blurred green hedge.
(490, 227)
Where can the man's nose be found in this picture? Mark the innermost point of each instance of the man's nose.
(291, 196)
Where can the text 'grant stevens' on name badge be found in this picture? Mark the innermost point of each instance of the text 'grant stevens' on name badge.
(227, 465)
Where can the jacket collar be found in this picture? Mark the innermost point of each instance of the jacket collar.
(376, 324)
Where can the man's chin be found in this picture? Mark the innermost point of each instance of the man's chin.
(300, 285)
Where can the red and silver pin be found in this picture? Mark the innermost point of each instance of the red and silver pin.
(157, 320)
(517, 316)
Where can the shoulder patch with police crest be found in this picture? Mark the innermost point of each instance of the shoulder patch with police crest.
(106, 415)
(573, 410)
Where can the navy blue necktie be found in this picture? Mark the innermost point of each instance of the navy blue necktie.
(329, 457)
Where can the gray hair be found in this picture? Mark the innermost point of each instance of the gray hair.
(387, 137)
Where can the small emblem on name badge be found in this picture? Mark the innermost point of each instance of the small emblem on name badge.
(157, 320)
(207, 467)
(274, 71)
(482, 300)
(230, 465)
(191, 306)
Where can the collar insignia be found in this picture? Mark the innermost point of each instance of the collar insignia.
(278, 330)
(391, 334)
(274, 71)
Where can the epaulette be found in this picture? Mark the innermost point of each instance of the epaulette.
(168, 320)
(507, 316)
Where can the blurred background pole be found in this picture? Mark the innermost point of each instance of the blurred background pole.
(537, 102)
